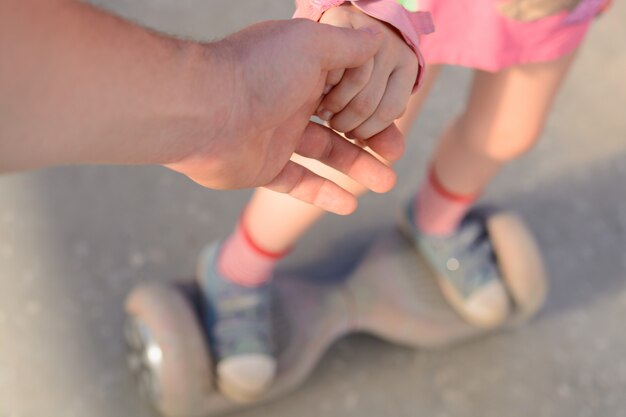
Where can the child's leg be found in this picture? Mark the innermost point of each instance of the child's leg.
(504, 117)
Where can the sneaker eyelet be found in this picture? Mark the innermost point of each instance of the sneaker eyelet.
(453, 264)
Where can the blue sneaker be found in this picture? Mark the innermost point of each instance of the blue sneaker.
(466, 268)
(239, 325)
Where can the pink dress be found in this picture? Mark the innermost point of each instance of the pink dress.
(475, 34)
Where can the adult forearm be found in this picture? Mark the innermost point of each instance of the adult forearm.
(78, 85)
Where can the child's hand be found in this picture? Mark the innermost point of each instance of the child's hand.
(365, 100)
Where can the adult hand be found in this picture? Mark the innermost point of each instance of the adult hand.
(81, 86)
(278, 71)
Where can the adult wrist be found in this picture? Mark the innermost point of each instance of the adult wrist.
(206, 89)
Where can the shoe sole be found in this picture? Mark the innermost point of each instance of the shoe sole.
(228, 389)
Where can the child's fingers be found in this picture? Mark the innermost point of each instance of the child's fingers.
(353, 81)
(364, 104)
(326, 146)
(304, 185)
(391, 106)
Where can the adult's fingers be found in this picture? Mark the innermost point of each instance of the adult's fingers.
(337, 17)
(304, 185)
(333, 78)
(389, 144)
(391, 106)
(339, 48)
(326, 146)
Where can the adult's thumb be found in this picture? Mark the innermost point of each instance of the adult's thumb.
(340, 48)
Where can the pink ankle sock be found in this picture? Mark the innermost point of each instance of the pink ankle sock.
(243, 262)
(439, 211)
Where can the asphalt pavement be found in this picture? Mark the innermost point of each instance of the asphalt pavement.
(74, 241)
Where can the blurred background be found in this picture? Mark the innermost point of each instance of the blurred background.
(74, 241)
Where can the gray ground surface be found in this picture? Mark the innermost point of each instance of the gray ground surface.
(73, 241)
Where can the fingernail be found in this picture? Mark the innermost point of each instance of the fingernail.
(327, 89)
(325, 115)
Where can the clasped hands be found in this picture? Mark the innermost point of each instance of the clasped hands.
(357, 74)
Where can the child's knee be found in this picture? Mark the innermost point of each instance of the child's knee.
(497, 140)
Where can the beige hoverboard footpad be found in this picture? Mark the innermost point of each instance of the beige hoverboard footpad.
(391, 294)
